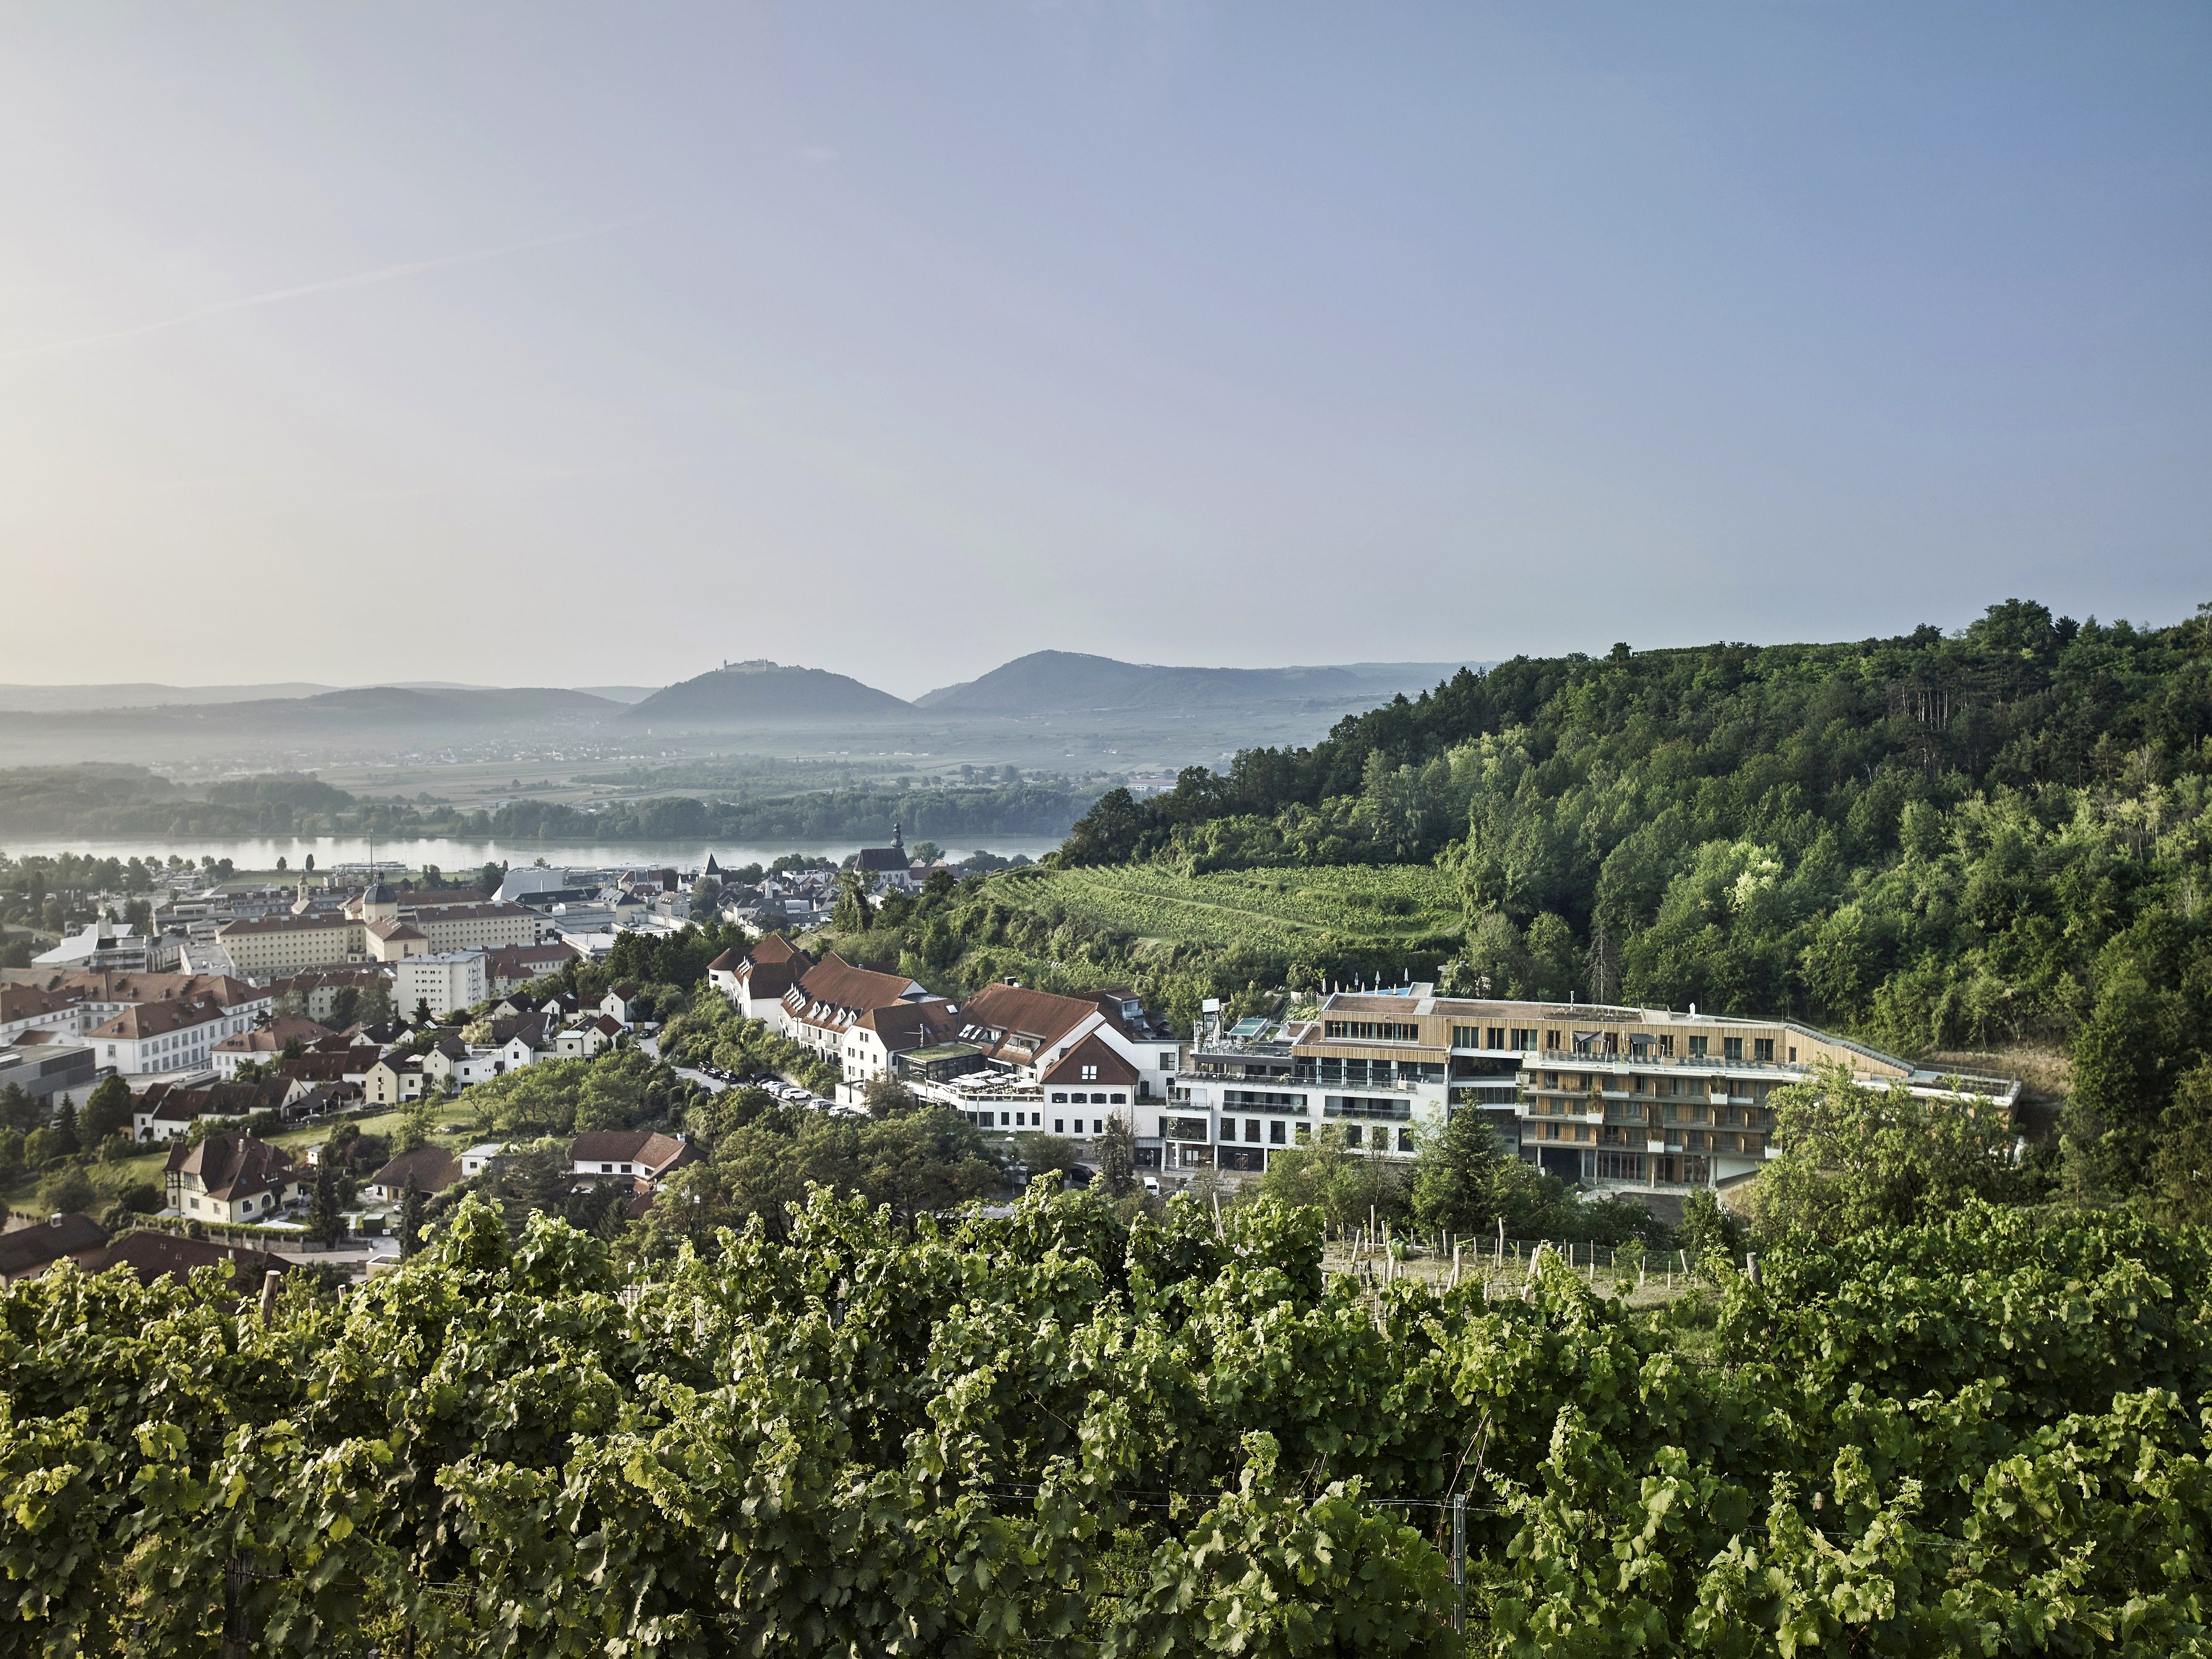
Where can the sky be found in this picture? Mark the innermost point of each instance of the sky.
(561, 344)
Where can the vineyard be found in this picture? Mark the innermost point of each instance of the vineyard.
(1292, 911)
(1064, 1433)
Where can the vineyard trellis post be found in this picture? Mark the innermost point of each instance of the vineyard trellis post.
(1459, 1561)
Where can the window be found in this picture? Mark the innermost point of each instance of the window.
(1551, 1039)
(1060, 1097)
(1251, 1128)
(1351, 1134)
(1167, 1060)
(1732, 1048)
(1793, 1056)
(606, 1168)
(1119, 1098)
(1305, 1131)
(1090, 1075)
(1370, 1030)
(1275, 1133)
(1697, 1047)
(1097, 1126)
(1762, 1050)
(1058, 1128)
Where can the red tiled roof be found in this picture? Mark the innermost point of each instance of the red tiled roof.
(847, 991)
(648, 1148)
(433, 1170)
(910, 1025)
(29, 1249)
(153, 1019)
(150, 1253)
(271, 1038)
(1113, 1071)
(231, 1166)
(1018, 1013)
(284, 923)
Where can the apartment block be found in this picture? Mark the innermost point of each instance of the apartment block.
(1622, 1098)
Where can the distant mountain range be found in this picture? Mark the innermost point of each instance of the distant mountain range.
(1067, 681)
(146, 721)
(149, 694)
(361, 709)
(765, 694)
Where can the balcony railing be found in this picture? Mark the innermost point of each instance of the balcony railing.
(1572, 1058)
(1370, 1110)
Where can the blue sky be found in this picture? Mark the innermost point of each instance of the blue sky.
(565, 345)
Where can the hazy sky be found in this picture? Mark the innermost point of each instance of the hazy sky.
(560, 344)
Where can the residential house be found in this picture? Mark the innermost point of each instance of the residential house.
(642, 1155)
(592, 1037)
(393, 1079)
(620, 1003)
(326, 1068)
(427, 1169)
(27, 1252)
(484, 1155)
(266, 1042)
(165, 1111)
(522, 1042)
(152, 1254)
(232, 1178)
(757, 982)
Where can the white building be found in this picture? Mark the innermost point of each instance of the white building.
(100, 945)
(448, 982)
(175, 1034)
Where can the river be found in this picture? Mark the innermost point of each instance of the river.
(454, 856)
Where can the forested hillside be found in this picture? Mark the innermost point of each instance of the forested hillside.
(1933, 842)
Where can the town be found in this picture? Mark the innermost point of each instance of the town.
(223, 1007)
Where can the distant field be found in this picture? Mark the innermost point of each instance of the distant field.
(1279, 909)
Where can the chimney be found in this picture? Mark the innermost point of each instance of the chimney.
(55, 1219)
